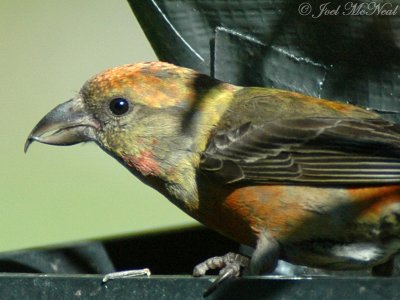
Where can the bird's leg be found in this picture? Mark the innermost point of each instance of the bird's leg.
(264, 259)
(266, 255)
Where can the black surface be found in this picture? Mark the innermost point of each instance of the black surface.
(88, 258)
(349, 58)
(25, 286)
(174, 252)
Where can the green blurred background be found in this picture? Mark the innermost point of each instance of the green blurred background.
(57, 195)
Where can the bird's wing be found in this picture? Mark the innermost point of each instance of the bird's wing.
(306, 151)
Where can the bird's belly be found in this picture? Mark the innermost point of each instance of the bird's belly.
(295, 214)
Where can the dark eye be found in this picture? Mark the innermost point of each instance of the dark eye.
(119, 106)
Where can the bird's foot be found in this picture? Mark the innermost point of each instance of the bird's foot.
(230, 265)
(126, 274)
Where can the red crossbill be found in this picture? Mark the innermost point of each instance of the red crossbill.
(310, 181)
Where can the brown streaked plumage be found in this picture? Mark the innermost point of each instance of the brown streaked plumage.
(308, 180)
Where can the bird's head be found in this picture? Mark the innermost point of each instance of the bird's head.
(138, 113)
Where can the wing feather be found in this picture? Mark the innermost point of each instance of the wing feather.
(307, 151)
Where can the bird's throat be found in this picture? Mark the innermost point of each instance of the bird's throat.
(144, 163)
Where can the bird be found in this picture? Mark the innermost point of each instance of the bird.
(311, 181)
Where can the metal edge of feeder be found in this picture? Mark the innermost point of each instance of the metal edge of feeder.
(34, 286)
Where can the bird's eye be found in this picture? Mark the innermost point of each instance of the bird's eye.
(119, 106)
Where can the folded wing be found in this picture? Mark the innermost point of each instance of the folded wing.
(320, 151)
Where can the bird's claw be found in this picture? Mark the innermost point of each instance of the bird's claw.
(230, 265)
